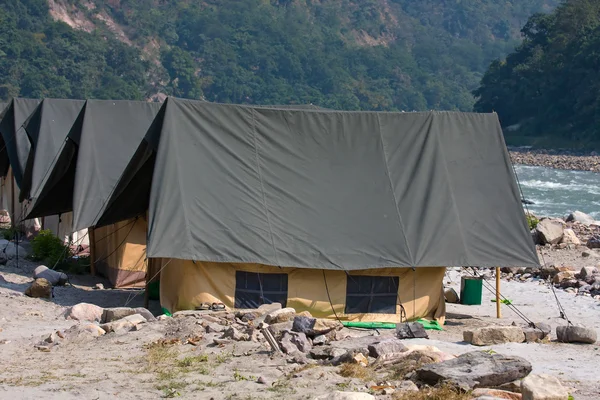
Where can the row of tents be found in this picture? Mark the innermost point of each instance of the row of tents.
(352, 215)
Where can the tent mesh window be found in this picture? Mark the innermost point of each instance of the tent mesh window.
(254, 289)
(371, 294)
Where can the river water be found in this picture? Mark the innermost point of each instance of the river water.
(556, 193)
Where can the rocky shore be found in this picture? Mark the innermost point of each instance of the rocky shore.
(558, 159)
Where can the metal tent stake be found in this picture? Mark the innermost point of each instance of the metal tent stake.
(498, 312)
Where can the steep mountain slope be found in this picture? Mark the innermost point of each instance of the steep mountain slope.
(349, 54)
(549, 88)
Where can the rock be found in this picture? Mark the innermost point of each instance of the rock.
(10, 250)
(278, 329)
(84, 312)
(569, 237)
(337, 395)
(123, 325)
(410, 330)
(94, 329)
(315, 326)
(281, 315)
(550, 231)
(349, 356)
(320, 340)
(578, 216)
(494, 335)
(117, 313)
(576, 334)
(406, 386)
(540, 332)
(99, 286)
(326, 353)
(305, 314)
(360, 359)
(548, 271)
(543, 387)
(234, 334)
(563, 276)
(251, 316)
(291, 342)
(588, 272)
(451, 296)
(211, 327)
(594, 242)
(514, 386)
(269, 308)
(495, 393)
(54, 277)
(386, 347)
(262, 380)
(40, 288)
(475, 369)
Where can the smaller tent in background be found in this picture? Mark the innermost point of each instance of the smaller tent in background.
(14, 149)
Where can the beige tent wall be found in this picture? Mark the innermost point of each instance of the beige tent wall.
(185, 285)
(120, 253)
(9, 202)
(61, 227)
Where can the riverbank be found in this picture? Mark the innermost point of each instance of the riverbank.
(557, 159)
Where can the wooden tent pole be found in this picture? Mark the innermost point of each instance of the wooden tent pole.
(498, 311)
(92, 251)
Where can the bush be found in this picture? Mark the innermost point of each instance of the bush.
(48, 248)
(532, 221)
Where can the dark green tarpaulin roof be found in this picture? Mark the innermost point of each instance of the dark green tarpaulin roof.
(111, 133)
(334, 190)
(47, 128)
(15, 143)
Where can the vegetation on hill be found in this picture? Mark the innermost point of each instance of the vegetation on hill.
(550, 86)
(347, 54)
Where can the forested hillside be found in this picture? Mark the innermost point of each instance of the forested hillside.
(347, 54)
(550, 86)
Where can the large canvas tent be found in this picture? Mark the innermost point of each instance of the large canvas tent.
(234, 189)
(333, 212)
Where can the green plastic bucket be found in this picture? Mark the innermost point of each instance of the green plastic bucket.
(471, 290)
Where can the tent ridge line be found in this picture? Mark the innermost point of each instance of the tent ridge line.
(387, 170)
(262, 186)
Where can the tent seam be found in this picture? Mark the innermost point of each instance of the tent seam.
(387, 171)
(445, 163)
(262, 186)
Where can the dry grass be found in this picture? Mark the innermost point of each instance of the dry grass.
(357, 371)
(408, 364)
(444, 392)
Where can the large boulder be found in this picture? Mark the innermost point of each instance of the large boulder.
(578, 216)
(476, 369)
(40, 288)
(569, 237)
(550, 231)
(54, 277)
(494, 335)
(11, 250)
(84, 312)
(594, 242)
(543, 387)
(576, 334)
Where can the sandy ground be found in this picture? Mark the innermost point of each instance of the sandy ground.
(121, 366)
